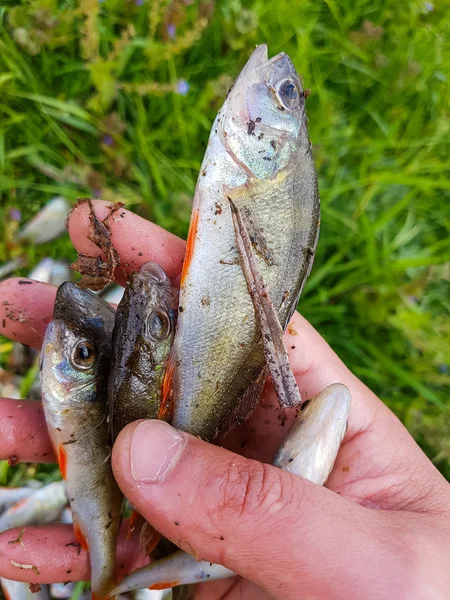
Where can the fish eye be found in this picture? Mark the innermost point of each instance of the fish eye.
(288, 94)
(84, 355)
(158, 325)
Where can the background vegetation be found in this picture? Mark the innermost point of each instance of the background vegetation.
(115, 99)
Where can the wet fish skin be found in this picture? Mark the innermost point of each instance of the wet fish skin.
(142, 340)
(259, 155)
(18, 590)
(314, 440)
(74, 372)
(41, 507)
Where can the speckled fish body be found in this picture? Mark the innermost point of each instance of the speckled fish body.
(313, 442)
(43, 506)
(142, 340)
(74, 372)
(259, 155)
(17, 590)
(10, 496)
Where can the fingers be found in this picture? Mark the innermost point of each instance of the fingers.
(135, 239)
(240, 513)
(23, 432)
(26, 308)
(51, 554)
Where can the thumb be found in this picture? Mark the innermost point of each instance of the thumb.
(265, 524)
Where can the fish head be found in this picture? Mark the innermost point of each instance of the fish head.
(262, 123)
(77, 347)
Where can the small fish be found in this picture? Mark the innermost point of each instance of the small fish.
(48, 224)
(18, 590)
(259, 156)
(74, 372)
(62, 591)
(51, 271)
(10, 496)
(43, 506)
(309, 451)
(177, 569)
(142, 339)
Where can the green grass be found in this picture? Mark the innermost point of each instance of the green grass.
(72, 73)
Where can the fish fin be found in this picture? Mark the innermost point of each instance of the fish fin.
(148, 537)
(246, 405)
(164, 585)
(62, 461)
(133, 522)
(277, 359)
(80, 537)
(167, 403)
(192, 236)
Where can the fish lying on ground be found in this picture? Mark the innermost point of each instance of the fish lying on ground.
(74, 372)
(259, 155)
(10, 495)
(17, 590)
(142, 339)
(41, 507)
(48, 224)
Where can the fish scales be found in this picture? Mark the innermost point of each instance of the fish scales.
(259, 155)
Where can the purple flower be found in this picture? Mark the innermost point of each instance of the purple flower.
(428, 7)
(96, 193)
(182, 87)
(14, 214)
(139, 2)
(171, 31)
(107, 140)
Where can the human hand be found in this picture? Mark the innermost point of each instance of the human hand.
(380, 530)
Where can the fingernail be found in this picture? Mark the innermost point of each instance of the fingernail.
(155, 449)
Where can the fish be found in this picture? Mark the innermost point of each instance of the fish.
(74, 372)
(112, 293)
(18, 590)
(62, 591)
(48, 224)
(39, 508)
(142, 340)
(309, 451)
(259, 157)
(11, 495)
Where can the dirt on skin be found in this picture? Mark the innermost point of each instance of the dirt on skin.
(97, 271)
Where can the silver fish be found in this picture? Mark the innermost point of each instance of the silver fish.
(259, 156)
(51, 271)
(74, 369)
(18, 590)
(10, 496)
(43, 506)
(113, 294)
(62, 591)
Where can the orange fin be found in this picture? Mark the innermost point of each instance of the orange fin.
(189, 245)
(80, 537)
(149, 538)
(166, 407)
(164, 586)
(133, 521)
(62, 461)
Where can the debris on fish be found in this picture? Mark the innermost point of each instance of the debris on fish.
(259, 156)
(142, 340)
(113, 293)
(74, 369)
(12, 266)
(51, 271)
(177, 569)
(41, 507)
(48, 224)
(18, 590)
(10, 496)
